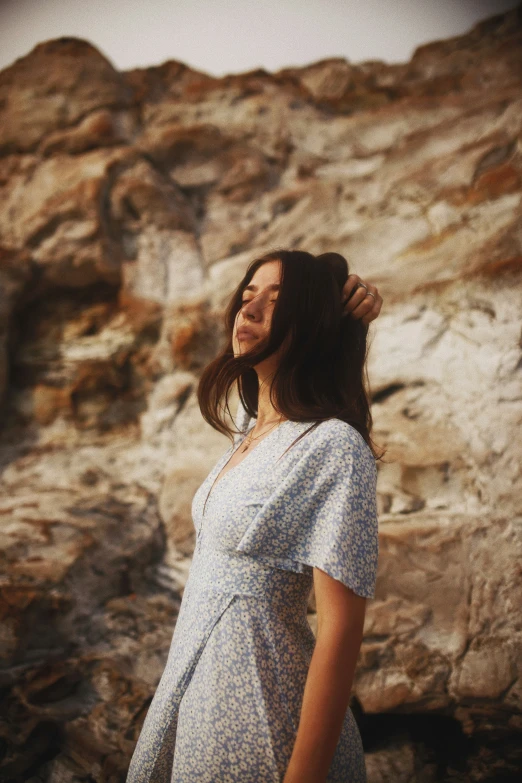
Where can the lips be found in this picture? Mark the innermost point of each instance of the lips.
(244, 333)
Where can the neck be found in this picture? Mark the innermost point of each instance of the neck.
(266, 413)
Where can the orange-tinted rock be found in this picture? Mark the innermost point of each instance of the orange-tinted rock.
(130, 206)
(54, 87)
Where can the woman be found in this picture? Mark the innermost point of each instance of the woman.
(248, 694)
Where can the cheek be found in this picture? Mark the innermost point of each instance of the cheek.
(269, 312)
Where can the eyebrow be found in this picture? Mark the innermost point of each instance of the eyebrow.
(273, 287)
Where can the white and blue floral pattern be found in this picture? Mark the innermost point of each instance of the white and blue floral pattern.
(227, 706)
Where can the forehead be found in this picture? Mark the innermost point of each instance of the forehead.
(268, 275)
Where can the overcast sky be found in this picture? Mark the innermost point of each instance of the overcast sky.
(230, 36)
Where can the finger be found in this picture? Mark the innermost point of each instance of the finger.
(350, 286)
(363, 309)
(365, 303)
(375, 310)
(358, 295)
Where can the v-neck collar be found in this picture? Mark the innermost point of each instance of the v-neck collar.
(222, 463)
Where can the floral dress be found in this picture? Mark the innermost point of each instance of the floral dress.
(227, 706)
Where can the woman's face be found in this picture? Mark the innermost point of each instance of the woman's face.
(254, 319)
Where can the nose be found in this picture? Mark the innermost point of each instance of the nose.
(253, 309)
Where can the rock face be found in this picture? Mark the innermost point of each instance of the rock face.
(130, 204)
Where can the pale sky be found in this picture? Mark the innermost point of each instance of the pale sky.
(231, 36)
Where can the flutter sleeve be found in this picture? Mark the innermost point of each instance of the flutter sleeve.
(324, 511)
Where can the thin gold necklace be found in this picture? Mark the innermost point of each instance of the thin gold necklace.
(252, 439)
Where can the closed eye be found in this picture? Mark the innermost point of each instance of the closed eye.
(244, 301)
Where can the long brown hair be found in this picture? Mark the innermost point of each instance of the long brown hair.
(322, 373)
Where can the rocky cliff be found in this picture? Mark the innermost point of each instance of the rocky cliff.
(130, 204)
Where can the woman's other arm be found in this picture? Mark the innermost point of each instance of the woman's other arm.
(340, 616)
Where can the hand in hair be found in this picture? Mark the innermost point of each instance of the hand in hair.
(361, 300)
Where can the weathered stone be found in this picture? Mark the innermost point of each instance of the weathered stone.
(130, 206)
(57, 85)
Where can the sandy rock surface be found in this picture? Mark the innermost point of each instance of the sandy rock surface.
(130, 206)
